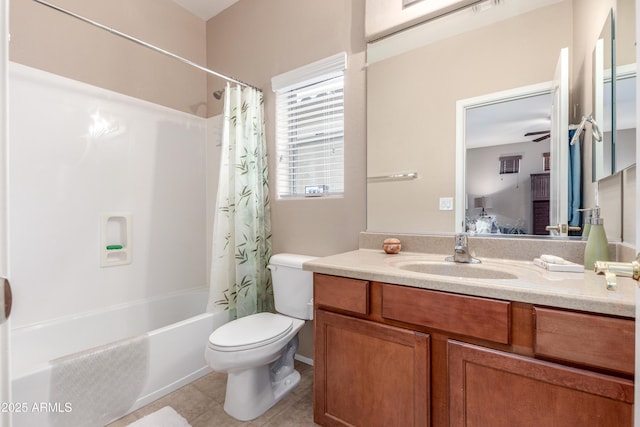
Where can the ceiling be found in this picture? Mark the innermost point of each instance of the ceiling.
(507, 122)
(205, 9)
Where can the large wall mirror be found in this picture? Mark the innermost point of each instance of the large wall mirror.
(614, 92)
(624, 141)
(416, 77)
(603, 153)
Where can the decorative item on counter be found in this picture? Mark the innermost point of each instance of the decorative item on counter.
(391, 245)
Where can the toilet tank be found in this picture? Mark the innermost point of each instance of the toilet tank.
(292, 286)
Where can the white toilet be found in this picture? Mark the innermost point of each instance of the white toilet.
(257, 351)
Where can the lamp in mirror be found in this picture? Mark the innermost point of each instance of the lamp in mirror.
(483, 203)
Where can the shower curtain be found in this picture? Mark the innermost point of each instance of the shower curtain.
(240, 280)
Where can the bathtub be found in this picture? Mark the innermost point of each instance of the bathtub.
(173, 330)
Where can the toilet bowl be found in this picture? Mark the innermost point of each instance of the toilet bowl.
(257, 351)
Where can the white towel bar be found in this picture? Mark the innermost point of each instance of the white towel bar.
(393, 177)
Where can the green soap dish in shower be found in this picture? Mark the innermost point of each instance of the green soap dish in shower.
(113, 247)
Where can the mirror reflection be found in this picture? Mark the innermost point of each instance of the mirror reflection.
(416, 77)
(603, 102)
(625, 87)
(614, 98)
(508, 165)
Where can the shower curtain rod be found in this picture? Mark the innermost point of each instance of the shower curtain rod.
(143, 43)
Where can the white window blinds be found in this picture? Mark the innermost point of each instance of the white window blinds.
(509, 164)
(310, 129)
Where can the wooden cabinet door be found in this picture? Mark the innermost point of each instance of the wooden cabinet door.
(369, 374)
(492, 388)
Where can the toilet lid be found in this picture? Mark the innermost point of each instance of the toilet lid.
(250, 332)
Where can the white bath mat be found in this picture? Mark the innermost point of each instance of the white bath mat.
(165, 417)
(99, 384)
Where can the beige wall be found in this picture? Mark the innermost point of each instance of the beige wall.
(255, 40)
(48, 40)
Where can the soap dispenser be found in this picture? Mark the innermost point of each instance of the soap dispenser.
(597, 248)
(586, 226)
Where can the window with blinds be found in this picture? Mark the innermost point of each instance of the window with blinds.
(509, 164)
(546, 161)
(310, 133)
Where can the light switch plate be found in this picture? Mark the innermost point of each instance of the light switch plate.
(446, 203)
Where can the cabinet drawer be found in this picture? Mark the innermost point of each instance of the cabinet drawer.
(339, 292)
(588, 339)
(459, 314)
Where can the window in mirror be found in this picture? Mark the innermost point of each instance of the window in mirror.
(510, 164)
(546, 161)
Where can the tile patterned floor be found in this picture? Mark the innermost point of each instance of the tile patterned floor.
(201, 403)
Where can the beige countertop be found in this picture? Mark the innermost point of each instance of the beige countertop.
(578, 291)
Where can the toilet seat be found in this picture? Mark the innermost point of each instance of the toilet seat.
(250, 332)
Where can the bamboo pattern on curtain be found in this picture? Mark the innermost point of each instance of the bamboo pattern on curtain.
(240, 279)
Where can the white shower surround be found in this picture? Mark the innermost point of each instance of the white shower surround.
(66, 170)
(77, 152)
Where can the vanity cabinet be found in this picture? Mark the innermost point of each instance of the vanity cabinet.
(392, 355)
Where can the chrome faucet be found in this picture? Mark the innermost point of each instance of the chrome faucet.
(461, 251)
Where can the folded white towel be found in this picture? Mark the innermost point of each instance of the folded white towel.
(566, 266)
(165, 417)
(552, 259)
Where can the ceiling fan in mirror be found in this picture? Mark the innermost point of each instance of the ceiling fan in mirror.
(545, 134)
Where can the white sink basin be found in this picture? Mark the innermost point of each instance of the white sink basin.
(453, 269)
(488, 269)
